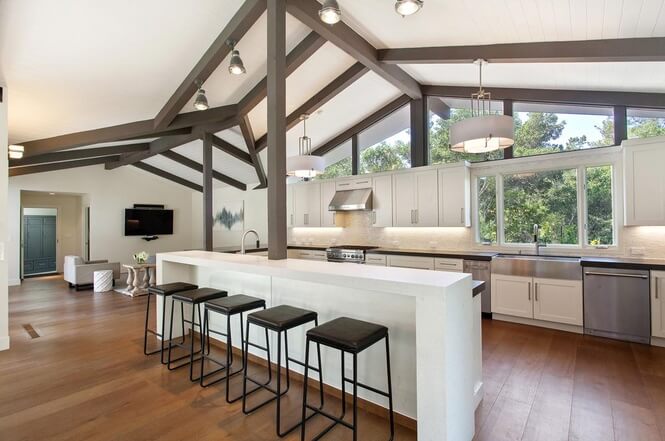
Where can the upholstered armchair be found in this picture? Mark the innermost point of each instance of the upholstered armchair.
(79, 273)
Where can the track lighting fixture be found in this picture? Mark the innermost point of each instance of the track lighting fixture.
(201, 102)
(330, 12)
(408, 7)
(236, 66)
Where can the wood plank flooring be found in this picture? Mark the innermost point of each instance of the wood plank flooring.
(85, 377)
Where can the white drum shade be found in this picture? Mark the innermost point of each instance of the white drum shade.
(482, 134)
(305, 166)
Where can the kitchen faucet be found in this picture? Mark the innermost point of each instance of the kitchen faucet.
(244, 235)
(536, 239)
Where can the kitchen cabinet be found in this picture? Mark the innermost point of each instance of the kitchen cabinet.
(415, 262)
(376, 259)
(558, 301)
(353, 183)
(382, 201)
(307, 254)
(307, 204)
(454, 196)
(657, 304)
(447, 264)
(414, 199)
(290, 215)
(327, 193)
(644, 181)
(511, 295)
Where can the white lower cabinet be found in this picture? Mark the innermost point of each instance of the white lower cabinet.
(558, 301)
(376, 259)
(551, 300)
(657, 304)
(415, 262)
(307, 254)
(448, 264)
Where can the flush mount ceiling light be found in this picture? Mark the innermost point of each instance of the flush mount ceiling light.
(201, 102)
(330, 12)
(483, 132)
(236, 66)
(305, 165)
(15, 151)
(408, 7)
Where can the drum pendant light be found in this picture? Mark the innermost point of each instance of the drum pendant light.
(305, 165)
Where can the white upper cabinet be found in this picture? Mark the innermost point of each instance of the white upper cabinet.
(454, 196)
(415, 202)
(644, 175)
(382, 201)
(327, 193)
(290, 214)
(307, 204)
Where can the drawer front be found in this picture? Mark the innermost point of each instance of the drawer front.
(376, 259)
(411, 262)
(353, 184)
(452, 265)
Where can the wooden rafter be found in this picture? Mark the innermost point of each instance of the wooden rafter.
(183, 160)
(250, 142)
(79, 154)
(320, 98)
(607, 50)
(232, 150)
(65, 165)
(342, 36)
(169, 176)
(242, 21)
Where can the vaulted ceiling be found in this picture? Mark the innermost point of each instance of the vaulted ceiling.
(76, 65)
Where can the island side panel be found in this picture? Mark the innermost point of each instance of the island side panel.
(478, 389)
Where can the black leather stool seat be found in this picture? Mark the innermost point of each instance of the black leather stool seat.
(281, 317)
(199, 295)
(348, 334)
(171, 288)
(235, 304)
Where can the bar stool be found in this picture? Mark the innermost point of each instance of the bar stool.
(352, 336)
(279, 319)
(228, 306)
(195, 298)
(165, 290)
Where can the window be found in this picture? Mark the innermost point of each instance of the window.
(644, 123)
(338, 162)
(444, 112)
(547, 198)
(387, 144)
(600, 219)
(487, 227)
(552, 128)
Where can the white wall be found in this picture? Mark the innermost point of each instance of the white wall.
(69, 227)
(108, 192)
(4, 301)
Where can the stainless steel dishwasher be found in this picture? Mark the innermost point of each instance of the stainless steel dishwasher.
(617, 304)
(481, 270)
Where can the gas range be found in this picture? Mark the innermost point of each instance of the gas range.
(348, 253)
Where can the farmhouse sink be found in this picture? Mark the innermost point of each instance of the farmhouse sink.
(547, 267)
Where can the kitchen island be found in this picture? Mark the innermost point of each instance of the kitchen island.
(433, 318)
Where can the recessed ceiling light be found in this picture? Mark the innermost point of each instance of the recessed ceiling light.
(330, 12)
(408, 7)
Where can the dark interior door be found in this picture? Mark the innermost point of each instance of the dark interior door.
(39, 250)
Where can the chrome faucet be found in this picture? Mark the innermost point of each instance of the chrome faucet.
(536, 239)
(244, 235)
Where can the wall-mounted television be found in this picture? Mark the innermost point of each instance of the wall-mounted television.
(148, 221)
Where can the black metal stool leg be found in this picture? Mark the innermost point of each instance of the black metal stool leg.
(304, 392)
(161, 352)
(390, 391)
(145, 331)
(355, 397)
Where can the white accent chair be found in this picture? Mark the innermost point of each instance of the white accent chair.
(79, 273)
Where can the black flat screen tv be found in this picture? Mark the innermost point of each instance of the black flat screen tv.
(148, 222)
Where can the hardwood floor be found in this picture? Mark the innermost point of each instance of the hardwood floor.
(76, 371)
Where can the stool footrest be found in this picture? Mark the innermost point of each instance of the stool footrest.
(330, 416)
(369, 388)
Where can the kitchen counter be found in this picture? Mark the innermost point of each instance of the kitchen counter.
(624, 263)
(434, 323)
(264, 247)
(478, 287)
(468, 255)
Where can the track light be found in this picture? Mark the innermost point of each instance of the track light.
(330, 12)
(408, 7)
(236, 66)
(201, 102)
(16, 151)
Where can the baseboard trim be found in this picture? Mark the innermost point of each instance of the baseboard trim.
(14, 282)
(657, 341)
(540, 323)
(4, 343)
(373, 408)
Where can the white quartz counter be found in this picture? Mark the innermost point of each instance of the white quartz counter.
(433, 321)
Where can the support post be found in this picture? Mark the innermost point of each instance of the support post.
(207, 191)
(419, 152)
(276, 129)
(508, 110)
(620, 124)
(355, 154)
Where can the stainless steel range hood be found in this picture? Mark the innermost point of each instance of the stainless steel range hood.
(351, 200)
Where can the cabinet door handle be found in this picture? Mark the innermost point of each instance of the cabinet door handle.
(535, 290)
(306, 219)
(417, 215)
(334, 218)
(373, 217)
(529, 295)
(461, 216)
(291, 218)
(656, 287)
(344, 184)
(411, 216)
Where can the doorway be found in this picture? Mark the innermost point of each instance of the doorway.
(39, 241)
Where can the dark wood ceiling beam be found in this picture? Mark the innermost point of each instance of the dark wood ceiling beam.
(133, 130)
(242, 21)
(305, 49)
(582, 97)
(248, 135)
(611, 50)
(320, 98)
(232, 150)
(438, 107)
(168, 176)
(183, 160)
(362, 125)
(342, 36)
(65, 165)
(79, 154)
